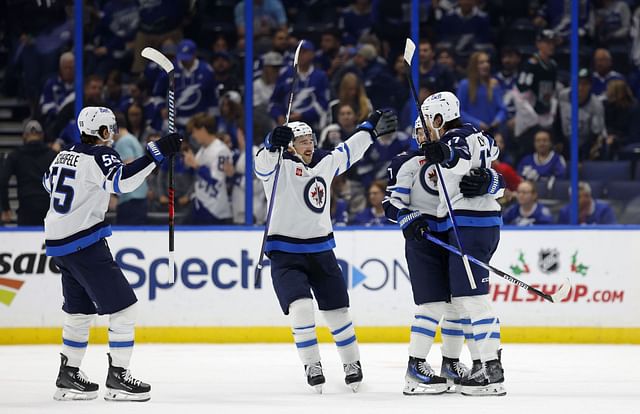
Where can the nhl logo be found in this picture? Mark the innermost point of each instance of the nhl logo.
(549, 260)
(315, 194)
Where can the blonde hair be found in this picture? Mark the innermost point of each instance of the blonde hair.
(618, 91)
(474, 77)
(361, 102)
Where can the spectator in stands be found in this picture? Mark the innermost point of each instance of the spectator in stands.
(136, 123)
(231, 119)
(58, 90)
(195, 86)
(28, 164)
(264, 85)
(480, 95)
(535, 101)
(355, 21)
(373, 215)
(465, 28)
(133, 206)
(622, 117)
(613, 22)
(311, 107)
(327, 55)
(153, 71)
(602, 73)
(433, 72)
(351, 92)
(159, 20)
(114, 96)
(183, 191)
(377, 79)
(447, 58)
(334, 134)
(139, 94)
(339, 204)
(527, 211)
(556, 16)
(267, 16)
(507, 76)
(590, 211)
(591, 126)
(223, 75)
(211, 203)
(544, 163)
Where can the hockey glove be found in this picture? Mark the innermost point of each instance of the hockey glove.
(478, 182)
(413, 224)
(280, 137)
(379, 123)
(164, 147)
(437, 152)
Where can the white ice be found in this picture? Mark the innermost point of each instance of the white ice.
(268, 378)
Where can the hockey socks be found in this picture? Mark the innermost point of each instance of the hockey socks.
(75, 337)
(121, 336)
(304, 330)
(344, 335)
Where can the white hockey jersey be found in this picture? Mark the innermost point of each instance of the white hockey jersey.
(471, 148)
(79, 181)
(301, 221)
(211, 181)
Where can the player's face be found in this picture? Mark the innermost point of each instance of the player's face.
(304, 147)
(421, 136)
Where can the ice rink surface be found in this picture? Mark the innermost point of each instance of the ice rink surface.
(268, 378)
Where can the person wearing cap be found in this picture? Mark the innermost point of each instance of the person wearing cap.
(195, 86)
(223, 75)
(27, 163)
(591, 122)
(264, 85)
(310, 107)
(536, 93)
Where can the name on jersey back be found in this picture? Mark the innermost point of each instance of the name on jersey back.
(67, 158)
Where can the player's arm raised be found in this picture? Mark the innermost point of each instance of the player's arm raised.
(267, 157)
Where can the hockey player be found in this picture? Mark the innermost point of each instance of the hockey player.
(412, 201)
(300, 240)
(462, 150)
(80, 181)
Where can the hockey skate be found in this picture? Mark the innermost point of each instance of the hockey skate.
(420, 379)
(453, 371)
(121, 386)
(315, 378)
(485, 379)
(353, 375)
(73, 384)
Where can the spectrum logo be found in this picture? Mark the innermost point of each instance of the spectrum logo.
(8, 289)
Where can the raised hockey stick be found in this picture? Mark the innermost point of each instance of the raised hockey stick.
(166, 65)
(272, 199)
(409, 50)
(556, 297)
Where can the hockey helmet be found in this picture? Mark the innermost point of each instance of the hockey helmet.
(444, 104)
(301, 129)
(416, 125)
(93, 118)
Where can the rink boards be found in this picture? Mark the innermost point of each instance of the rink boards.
(216, 299)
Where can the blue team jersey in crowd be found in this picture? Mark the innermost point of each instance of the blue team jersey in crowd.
(368, 218)
(310, 99)
(539, 215)
(601, 213)
(531, 168)
(55, 95)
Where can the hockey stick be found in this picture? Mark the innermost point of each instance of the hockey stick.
(554, 297)
(409, 50)
(296, 76)
(166, 65)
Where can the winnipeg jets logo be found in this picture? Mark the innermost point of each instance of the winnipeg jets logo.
(429, 179)
(315, 194)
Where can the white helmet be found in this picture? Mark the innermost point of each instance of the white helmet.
(301, 129)
(92, 118)
(416, 125)
(444, 103)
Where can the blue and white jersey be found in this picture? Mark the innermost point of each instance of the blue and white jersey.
(80, 180)
(301, 219)
(55, 94)
(211, 181)
(533, 168)
(413, 184)
(471, 148)
(195, 91)
(539, 215)
(310, 99)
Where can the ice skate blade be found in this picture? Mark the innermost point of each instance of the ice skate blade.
(452, 387)
(416, 388)
(496, 390)
(354, 386)
(119, 395)
(317, 388)
(67, 394)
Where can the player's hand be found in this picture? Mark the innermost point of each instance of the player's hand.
(477, 183)
(280, 137)
(164, 147)
(413, 224)
(380, 123)
(436, 152)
